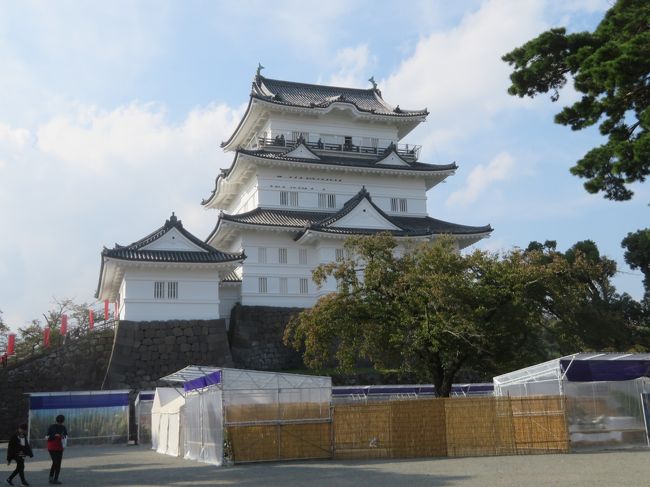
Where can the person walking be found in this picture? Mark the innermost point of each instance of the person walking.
(17, 450)
(57, 437)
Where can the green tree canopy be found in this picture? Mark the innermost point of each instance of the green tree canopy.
(602, 319)
(610, 67)
(433, 310)
(637, 255)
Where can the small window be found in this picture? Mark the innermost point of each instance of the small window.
(402, 205)
(326, 200)
(288, 198)
(261, 255)
(172, 290)
(282, 256)
(159, 290)
(263, 285)
(304, 285)
(284, 287)
(339, 255)
(399, 205)
(302, 256)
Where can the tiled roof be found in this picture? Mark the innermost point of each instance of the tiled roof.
(277, 218)
(351, 162)
(171, 255)
(307, 95)
(135, 251)
(231, 277)
(334, 161)
(322, 221)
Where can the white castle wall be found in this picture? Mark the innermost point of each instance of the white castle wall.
(198, 295)
(337, 122)
(308, 184)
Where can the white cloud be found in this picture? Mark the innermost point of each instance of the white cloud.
(92, 140)
(95, 177)
(353, 65)
(481, 178)
(458, 73)
(13, 138)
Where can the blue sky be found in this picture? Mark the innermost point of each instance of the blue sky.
(111, 115)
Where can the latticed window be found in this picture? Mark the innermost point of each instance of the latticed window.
(326, 200)
(304, 285)
(159, 290)
(302, 256)
(263, 285)
(399, 205)
(282, 255)
(339, 255)
(261, 255)
(172, 290)
(288, 198)
(284, 285)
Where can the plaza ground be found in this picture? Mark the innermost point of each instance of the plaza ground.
(139, 466)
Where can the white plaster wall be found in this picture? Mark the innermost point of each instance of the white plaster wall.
(229, 295)
(198, 295)
(122, 293)
(252, 270)
(309, 184)
(336, 122)
(247, 198)
(173, 240)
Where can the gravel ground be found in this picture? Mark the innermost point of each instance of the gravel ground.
(138, 466)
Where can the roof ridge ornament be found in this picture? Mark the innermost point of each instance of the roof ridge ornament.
(173, 222)
(258, 73)
(374, 83)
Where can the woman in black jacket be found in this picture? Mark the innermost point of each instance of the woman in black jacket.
(17, 450)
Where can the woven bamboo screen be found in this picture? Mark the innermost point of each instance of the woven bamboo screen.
(418, 429)
(450, 427)
(540, 424)
(479, 427)
(402, 429)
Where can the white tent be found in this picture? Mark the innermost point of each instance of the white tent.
(218, 398)
(203, 426)
(143, 405)
(166, 418)
(604, 393)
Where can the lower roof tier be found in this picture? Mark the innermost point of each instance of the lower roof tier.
(359, 216)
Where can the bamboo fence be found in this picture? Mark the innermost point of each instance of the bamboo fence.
(438, 427)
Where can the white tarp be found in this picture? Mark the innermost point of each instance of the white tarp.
(166, 414)
(203, 426)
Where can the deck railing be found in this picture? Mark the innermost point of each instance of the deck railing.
(408, 152)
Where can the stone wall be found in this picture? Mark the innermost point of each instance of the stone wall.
(136, 354)
(79, 364)
(256, 338)
(144, 351)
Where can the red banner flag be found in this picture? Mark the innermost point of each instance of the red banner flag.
(64, 325)
(91, 319)
(46, 336)
(106, 312)
(11, 344)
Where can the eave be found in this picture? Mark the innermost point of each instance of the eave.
(112, 272)
(226, 186)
